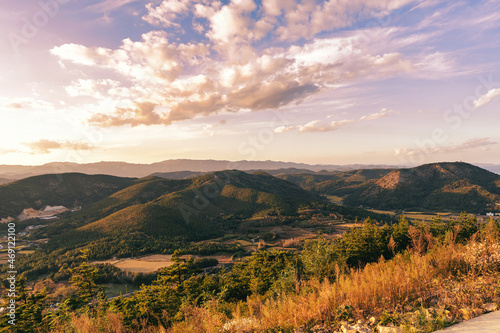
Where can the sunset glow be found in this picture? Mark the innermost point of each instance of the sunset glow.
(396, 82)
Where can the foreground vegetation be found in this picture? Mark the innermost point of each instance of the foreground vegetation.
(420, 277)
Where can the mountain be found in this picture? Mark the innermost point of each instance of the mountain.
(439, 186)
(196, 206)
(70, 190)
(191, 209)
(123, 169)
(193, 174)
(336, 182)
(178, 174)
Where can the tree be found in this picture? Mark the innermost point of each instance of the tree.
(83, 278)
(29, 309)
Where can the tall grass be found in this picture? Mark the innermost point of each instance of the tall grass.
(408, 281)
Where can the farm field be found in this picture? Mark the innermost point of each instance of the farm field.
(152, 263)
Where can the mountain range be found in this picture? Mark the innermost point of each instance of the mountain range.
(123, 169)
(123, 216)
(454, 186)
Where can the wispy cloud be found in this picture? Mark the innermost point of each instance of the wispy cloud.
(476, 143)
(319, 126)
(46, 146)
(487, 98)
(27, 103)
(7, 151)
(109, 5)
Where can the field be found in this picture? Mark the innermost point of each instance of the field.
(151, 263)
(420, 216)
(334, 198)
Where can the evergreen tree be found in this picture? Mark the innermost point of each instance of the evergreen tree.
(83, 278)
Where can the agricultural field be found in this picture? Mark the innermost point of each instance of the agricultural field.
(152, 263)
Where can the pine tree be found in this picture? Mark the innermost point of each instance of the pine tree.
(83, 278)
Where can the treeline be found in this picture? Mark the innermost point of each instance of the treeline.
(54, 261)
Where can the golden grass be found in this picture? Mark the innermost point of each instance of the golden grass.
(386, 286)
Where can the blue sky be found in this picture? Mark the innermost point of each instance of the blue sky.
(348, 81)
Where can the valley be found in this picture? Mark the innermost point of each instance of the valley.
(223, 230)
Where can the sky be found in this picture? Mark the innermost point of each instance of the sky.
(399, 82)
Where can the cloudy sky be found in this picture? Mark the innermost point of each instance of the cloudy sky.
(346, 81)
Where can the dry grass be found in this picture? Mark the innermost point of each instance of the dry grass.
(292, 242)
(444, 276)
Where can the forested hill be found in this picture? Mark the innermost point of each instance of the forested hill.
(448, 186)
(438, 186)
(70, 190)
(194, 208)
(190, 209)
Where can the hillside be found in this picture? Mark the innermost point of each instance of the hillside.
(194, 208)
(70, 190)
(439, 186)
(336, 182)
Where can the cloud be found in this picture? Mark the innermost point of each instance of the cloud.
(153, 60)
(166, 13)
(109, 5)
(472, 144)
(141, 114)
(318, 126)
(305, 19)
(7, 151)
(28, 103)
(46, 146)
(486, 98)
(383, 113)
(93, 88)
(160, 81)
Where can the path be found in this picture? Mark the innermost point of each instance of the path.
(488, 323)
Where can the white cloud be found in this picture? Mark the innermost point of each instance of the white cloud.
(374, 116)
(93, 88)
(487, 98)
(167, 12)
(316, 126)
(160, 81)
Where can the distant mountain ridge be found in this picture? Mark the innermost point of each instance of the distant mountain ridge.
(123, 169)
(170, 167)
